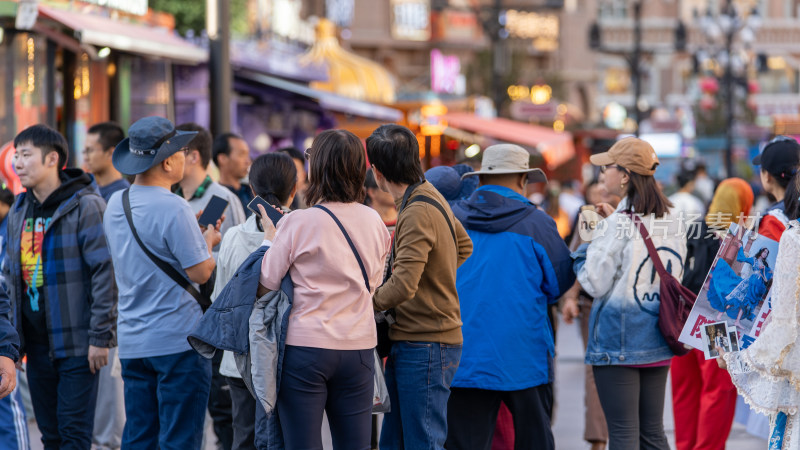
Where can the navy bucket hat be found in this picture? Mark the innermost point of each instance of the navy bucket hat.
(150, 140)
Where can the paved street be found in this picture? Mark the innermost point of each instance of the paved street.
(568, 426)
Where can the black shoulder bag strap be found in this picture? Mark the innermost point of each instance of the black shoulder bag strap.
(437, 205)
(350, 242)
(165, 267)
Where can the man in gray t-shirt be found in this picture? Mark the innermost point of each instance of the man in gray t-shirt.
(166, 382)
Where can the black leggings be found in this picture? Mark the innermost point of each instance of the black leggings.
(338, 382)
(633, 402)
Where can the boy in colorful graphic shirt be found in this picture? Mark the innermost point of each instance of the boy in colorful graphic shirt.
(61, 283)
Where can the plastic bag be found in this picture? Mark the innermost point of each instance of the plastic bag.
(380, 398)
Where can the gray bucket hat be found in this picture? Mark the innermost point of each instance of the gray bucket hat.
(501, 159)
(150, 140)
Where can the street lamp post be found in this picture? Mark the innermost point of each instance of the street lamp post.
(635, 57)
(721, 32)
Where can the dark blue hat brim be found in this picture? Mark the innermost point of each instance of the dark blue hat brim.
(132, 164)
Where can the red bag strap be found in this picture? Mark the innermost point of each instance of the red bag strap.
(662, 272)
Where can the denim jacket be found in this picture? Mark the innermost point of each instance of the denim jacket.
(618, 273)
(228, 325)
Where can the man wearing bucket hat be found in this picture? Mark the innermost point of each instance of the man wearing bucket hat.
(166, 382)
(505, 311)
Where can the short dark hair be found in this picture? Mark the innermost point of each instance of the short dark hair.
(222, 145)
(394, 151)
(201, 142)
(294, 153)
(272, 177)
(109, 134)
(47, 139)
(337, 168)
(6, 196)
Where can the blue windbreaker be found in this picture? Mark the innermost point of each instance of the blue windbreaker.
(518, 267)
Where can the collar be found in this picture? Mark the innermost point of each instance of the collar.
(199, 192)
(505, 192)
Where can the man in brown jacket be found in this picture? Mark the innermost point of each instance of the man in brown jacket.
(430, 244)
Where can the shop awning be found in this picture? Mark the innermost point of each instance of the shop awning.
(124, 36)
(328, 100)
(556, 148)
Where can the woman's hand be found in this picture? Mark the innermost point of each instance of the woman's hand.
(266, 223)
(604, 209)
(721, 360)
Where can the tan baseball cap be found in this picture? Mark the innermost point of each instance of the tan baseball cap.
(631, 153)
(501, 159)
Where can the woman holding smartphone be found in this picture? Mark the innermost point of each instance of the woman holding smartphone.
(328, 361)
(629, 356)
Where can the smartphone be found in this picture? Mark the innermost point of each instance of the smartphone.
(213, 211)
(272, 213)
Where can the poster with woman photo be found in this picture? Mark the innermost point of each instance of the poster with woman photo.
(736, 287)
(716, 339)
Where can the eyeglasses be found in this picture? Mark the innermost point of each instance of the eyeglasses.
(185, 151)
(618, 167)
(307, 153)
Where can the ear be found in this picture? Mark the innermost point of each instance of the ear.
(51, 160)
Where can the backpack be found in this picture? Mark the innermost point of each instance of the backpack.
(676, 300)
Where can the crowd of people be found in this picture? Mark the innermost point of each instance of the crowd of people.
(444, 286)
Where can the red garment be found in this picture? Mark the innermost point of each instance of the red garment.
(771, 227)
(504, 430)
(703, 402)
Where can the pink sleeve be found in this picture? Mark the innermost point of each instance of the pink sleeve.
(278, 258)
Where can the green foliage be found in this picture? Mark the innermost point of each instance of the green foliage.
(191, 14)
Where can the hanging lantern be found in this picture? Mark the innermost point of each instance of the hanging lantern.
(709, 85)
(753, 87)
(707, 103)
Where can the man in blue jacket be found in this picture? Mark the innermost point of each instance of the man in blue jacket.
(519, 266)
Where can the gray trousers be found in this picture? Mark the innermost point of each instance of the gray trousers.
(633, 402)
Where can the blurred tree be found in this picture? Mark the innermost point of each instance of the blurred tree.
(191, 15)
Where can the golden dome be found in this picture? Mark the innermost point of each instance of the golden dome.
(349, 75)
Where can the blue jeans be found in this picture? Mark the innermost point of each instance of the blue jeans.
(165, 401)
(63, 393)
(418, 376)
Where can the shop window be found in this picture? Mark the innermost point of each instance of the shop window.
(150, 88)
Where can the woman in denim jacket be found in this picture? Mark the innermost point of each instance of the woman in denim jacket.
(630, 357)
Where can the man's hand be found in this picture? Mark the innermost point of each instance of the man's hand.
(98, 357)
(8, 376)
(570, 310)
(212, 235)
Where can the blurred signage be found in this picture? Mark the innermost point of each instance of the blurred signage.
(340, 12)
(614, 116)
(137, 7)
(445, 73)
(411, 20)
(541, 29)
(453, 25)
(27, 12)
(524, 110)
(432, 123)
(666, 145)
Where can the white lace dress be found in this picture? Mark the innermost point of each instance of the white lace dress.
(767, 374)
